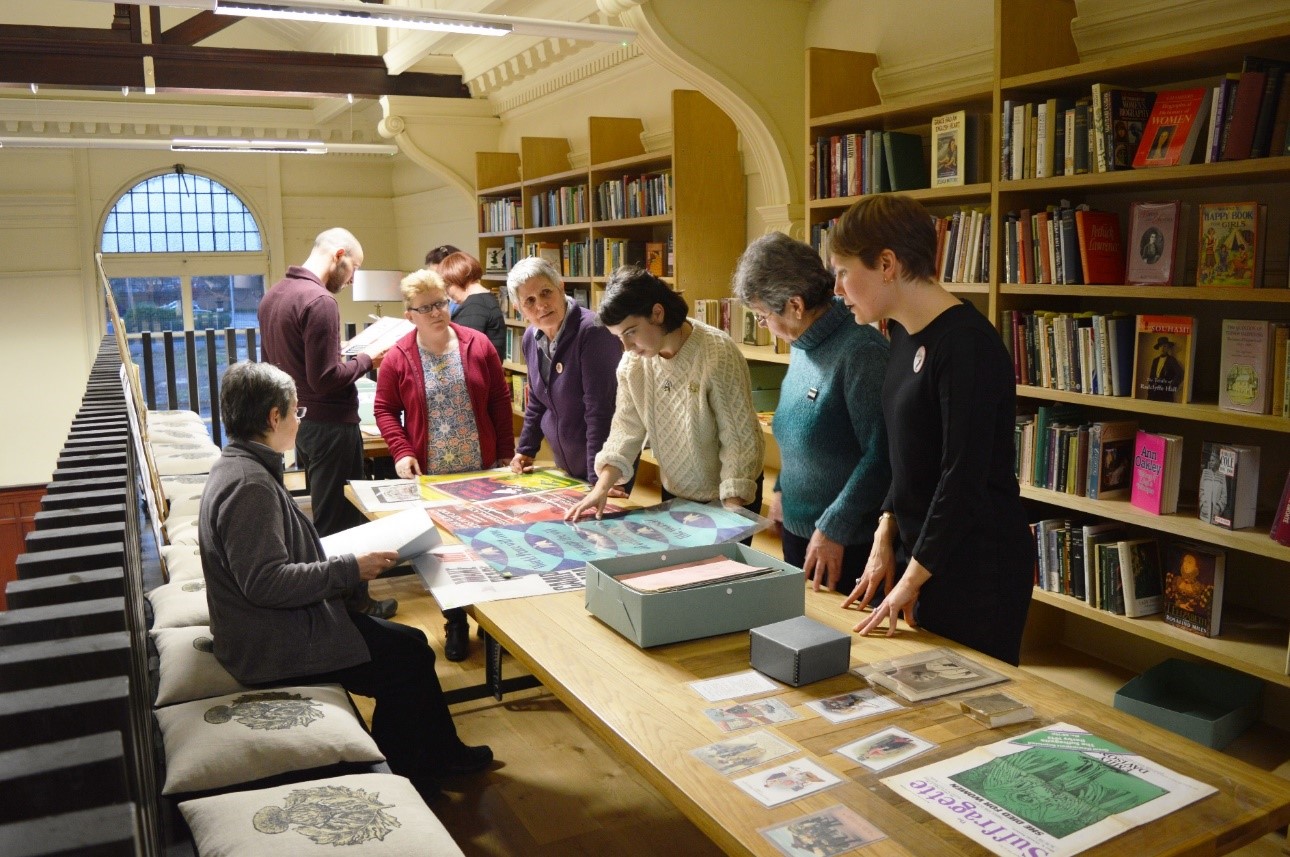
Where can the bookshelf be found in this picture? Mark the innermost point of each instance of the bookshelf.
(1036, 59)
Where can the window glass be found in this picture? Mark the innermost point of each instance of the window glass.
(159, 215)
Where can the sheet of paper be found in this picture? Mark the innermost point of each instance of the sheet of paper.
(853, 706)
(458, 578)
(387, 495)
(674, 577)
(884, 749)
(383, 332)
(733, 686)
(410, 532)
(789, 781)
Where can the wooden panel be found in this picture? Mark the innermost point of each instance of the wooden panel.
(494, 169)
(839, 80)
(1033, 34)
(613, 138)
(18, 508)
(542, 156)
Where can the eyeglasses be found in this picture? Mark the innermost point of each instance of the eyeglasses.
(429, 308)
(300, 413)
(763, 317)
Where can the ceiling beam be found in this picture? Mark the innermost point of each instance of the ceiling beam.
(203, 25)
(105, 62)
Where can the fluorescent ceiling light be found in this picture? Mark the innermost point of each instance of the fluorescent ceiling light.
(402, 17)
(212, 144)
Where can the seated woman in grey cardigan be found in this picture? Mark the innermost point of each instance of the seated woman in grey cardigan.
(277, 602)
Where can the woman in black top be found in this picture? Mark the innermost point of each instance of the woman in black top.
(949, 402)
(477, 306)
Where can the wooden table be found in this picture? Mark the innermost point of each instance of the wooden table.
(639, 702)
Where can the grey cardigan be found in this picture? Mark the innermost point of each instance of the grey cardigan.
(275, 601)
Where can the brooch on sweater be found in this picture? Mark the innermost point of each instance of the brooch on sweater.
(667, 387)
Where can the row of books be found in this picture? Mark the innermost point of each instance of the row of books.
(877, 161)
(962, 245)
(514, 341)
(499, 260)
(634, 196)
(739, 322)
(561, 206)
(580, 292)
(519, 389)
(1104, 566)
(500, 215)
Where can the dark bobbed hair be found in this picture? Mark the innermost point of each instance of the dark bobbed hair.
(888, 222)
(248, 392)
(438, 254)
(632, 290)
(776, 268)
(459, 269)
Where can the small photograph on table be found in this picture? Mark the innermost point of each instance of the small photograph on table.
(739, 754)
(745, 715)
(789, 781)
(827, 833)
(882, 750)
(853, 706)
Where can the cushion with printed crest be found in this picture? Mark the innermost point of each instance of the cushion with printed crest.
(179, 604)
(187, 667)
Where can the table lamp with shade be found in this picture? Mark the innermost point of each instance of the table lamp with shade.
(377, 287)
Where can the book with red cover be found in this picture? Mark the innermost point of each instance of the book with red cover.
(1229, 248)
(1245, 116)
(1101, 250)
(1280, 532)
(1194, 587)
(1170, 135)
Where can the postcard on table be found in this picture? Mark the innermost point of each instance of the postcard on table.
(739, 754)
(733, 686)
(788, 781)
(881, 750)
(744, 715)
(853, 705)
(826, 833)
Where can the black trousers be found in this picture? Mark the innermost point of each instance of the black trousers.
(411, 723)
(854, 558)
(331, 454)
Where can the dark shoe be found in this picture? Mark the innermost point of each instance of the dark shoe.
(456, 640)
(427, 786)
(467, 760)
(385, 608)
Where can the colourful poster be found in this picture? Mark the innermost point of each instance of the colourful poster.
(503, 483)
(556, 546)
(521, 509)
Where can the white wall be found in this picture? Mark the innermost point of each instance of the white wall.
(52, 204)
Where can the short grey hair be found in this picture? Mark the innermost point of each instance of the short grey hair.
(248, 392)
(775, 268)
(528, 268)
(421, 282)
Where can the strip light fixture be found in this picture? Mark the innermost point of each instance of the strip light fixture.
(402, 17)
(202, 144)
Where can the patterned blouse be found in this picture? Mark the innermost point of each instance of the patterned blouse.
(453, 437)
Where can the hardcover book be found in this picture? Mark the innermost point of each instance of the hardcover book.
(1228, 252)
(1170, 135)
(1194, 587)
(1164, 356)
(1101, 251)
(1140, 577)
(1244, 366)
(1110, 458)
(1280, 531)
(949, 147)
(928, 674)
(1125, 113)
(1154, 246)
(1156, 472)
(1229, 482)
(996, 709)
(903, 152)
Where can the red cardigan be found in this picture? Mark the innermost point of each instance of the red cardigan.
(400, 406)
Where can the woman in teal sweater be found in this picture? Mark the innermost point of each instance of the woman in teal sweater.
(829, 425)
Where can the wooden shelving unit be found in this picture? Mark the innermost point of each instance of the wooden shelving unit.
(1036, 59)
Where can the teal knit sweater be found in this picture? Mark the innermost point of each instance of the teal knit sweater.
(829, 427)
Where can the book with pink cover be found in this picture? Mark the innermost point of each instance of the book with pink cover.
(671, 578)
(1148, 489)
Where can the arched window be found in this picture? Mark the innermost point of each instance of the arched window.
(183, 252)
(180, 213)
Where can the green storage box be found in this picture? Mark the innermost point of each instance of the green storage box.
(1208, 704)
(655, 618)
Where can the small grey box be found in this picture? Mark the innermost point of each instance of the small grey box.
(799, 651)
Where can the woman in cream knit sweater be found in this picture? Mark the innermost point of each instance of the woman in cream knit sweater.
(685, 386)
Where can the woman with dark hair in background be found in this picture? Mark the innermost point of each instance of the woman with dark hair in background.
(949, 400)
(828, 423)
(476, 305)
(276, 601)
(685, 386)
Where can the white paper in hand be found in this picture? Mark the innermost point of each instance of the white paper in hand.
(410, 532)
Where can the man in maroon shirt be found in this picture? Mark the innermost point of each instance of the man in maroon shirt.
(300, 334)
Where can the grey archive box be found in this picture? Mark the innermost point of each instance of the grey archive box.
(799, 651)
